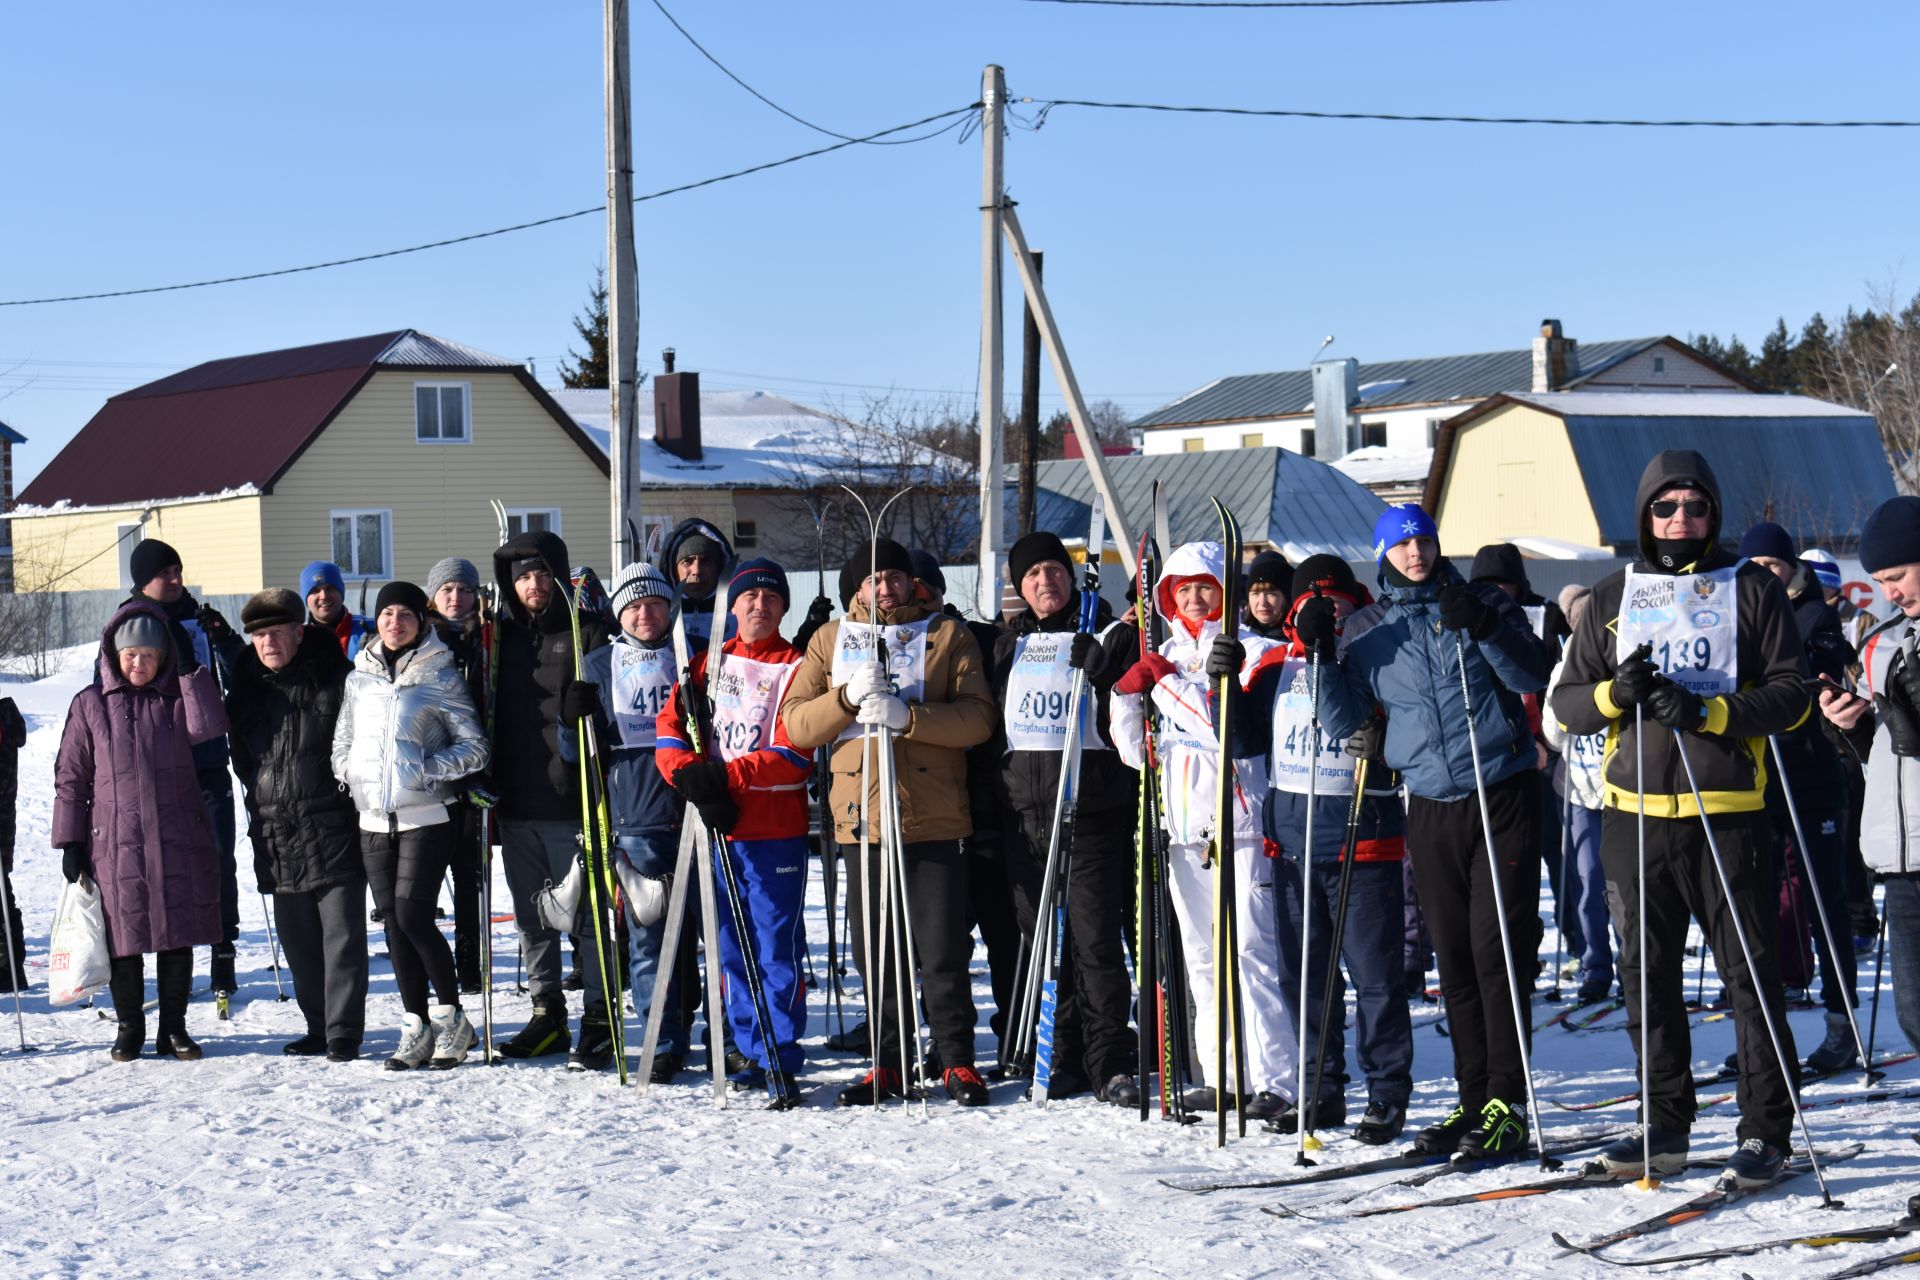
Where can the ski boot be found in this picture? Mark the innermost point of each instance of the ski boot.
(1837, 1052)
(1380, 1123)
(871, 1089)
(593, 1050)
(545, 1032)
(1500, 1135)
(1443, 1139)
(965, 1086)
(1757, 1163)
(1626, 1157)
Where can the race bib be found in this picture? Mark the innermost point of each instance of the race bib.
(1039, 703)
(746, 700)
(1293, 760)
(1584, 754)
(1691, 623)
(906, 658)
(642, 682)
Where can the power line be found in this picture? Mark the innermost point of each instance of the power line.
(1262, 4)
(1048, 104)
(962, 112)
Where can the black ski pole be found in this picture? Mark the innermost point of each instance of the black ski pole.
(1879, 964)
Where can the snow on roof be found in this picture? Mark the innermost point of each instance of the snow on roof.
(1558, 548)
(1378, 464)
(1681, 404)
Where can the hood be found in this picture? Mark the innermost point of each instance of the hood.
(670, 548)
(429, 654)
(1501, 562)
(107, 667)
(1665, 471)
(537, 544)
(1193, 560)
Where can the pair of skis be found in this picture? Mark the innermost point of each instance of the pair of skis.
(1229, 1031)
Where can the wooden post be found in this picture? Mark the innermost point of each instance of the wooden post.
(993, 542)
(1069, 387)
(623, 329)
(1030, 408)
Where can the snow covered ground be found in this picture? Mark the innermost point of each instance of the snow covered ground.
(251, 1162)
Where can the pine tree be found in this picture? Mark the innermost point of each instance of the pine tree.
(590, 371)
(1774, 370)
(1813, 354)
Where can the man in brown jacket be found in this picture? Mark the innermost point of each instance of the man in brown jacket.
(925, 682)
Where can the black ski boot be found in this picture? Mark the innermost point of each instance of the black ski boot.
(593, 1051)
(874, 1087)
(545, 1033)
(127, 984)
(965, 1086)
(220, 969)
(174, 980)
(1501, 1133)
(1837, 1052)
(1123, 1090)
(1381, 1123)
(665, 1067)
(1443, 1139)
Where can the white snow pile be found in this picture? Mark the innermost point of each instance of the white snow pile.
(250, 1162)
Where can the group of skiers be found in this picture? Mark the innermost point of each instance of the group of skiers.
(1392, 747)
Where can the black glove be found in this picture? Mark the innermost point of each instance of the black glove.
(1675, 706)
(1462, 609)
(701, 782)
(75, 863)
(263, 873)
(215, 626)
(1903, 678)
(819, 612)
(1365, 742)
(1316, 628)
(720, 815)
(579, 700)
(1634, 680)
(1087, 654)
(1225, 658)
(1903, 724)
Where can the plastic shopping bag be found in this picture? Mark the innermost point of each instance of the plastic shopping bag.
(79, 964)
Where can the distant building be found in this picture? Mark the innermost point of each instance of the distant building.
(1379, 421)
(1565, 466)
(8, 438)
(379, 453)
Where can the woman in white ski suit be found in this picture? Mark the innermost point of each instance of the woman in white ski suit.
(1189, 773)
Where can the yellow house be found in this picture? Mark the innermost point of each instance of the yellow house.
(1565, 466)
(378, 453)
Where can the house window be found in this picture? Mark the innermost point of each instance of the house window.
(1252, 440)
(746, 535)
(1193, 444)
(532, 520)
(362, 543)
(1659, 364)
(1306, 442)
(440, 412)
(1373, 435)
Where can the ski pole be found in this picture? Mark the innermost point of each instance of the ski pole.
(15, 970)
(1879, 963)
(1820, 908)
(273, 949)
(1647, 1181)
(1349, 854)
(1520, 1025)
(1306, 1139)
(1788, 1071)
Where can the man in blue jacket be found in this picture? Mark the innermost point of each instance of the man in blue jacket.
(1404, 655)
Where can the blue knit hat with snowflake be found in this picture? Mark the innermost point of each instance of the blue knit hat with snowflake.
(1398, 523)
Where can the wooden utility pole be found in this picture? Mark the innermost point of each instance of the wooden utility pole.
(1030, 410)
(993, 543)
(623, 330)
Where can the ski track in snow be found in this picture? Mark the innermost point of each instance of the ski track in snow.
(253, 1162)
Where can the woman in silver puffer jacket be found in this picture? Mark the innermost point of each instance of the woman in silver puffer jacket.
(407, 735)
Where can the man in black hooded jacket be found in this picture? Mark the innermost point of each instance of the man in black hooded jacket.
(539, 808)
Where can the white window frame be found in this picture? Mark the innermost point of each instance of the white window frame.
(386, 541)
(128, 537)
(521, 513)
(466, 408)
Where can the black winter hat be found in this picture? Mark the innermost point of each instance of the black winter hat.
(1034, 548)
(1891, 535)
(927, 570)
(274, 607)
(1270, 566)
(150, 556)
(1500, 562)
(1770, 540)
(404, 594)
(884, 554)
(1329, 573)
(757, 573)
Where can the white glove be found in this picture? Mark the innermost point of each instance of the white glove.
(867, 679)
(883, 710)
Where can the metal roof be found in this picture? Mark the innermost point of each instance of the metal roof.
(11, 436)
(416, 350)
(1296, 504)
(1433, 379)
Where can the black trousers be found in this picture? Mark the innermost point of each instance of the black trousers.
(1450, 867)
(463, 860)
(1682, 884)
(404, 870)
(936, 893)
(1095, 992)
(990, 906)
(324, 935)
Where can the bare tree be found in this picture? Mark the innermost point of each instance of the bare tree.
(1872, 362)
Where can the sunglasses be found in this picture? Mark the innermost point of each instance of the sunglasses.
(1695, 508)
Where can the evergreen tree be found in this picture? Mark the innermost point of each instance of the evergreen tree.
(1774, 370)
(591, 370)
(1813, 354)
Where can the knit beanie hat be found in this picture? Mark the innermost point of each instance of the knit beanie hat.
(1332, 575)
(321, 573)
(885, 554)
(1034, 548)
(274, 607)
(404, 594)
(1270, 566)
(1770, 540)
(452, 569)
(759, 572)
(1398, 523)
(1891, 535)
(1824, 567)
(927, 569)
(150, 557)
(141, 631)
(638, 581)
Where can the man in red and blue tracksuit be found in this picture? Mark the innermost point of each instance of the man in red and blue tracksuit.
(751, 785)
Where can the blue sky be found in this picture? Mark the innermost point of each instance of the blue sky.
(151, 144)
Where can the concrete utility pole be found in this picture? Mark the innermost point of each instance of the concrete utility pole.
(993, 542)
(1030, 410)
(623, 330)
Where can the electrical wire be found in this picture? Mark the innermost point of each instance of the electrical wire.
(1046, 105)
(962, 114)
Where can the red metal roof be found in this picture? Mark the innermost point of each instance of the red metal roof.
(232, 422)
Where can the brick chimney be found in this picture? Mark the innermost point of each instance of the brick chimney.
(676, 411)
(1556, 358)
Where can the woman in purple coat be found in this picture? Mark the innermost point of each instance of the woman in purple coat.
(127, 814)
